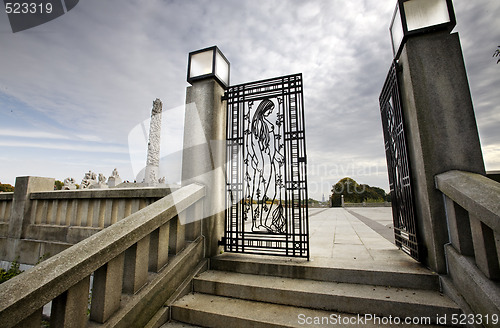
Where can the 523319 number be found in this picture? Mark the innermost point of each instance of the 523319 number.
(28, 8)
(26, 14)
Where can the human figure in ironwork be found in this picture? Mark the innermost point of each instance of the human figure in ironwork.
(398, 183)
(266, 160)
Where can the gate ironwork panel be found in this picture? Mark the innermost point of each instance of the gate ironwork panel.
(398, 165)
(266, 210)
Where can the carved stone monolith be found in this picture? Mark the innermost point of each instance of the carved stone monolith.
(153, 159)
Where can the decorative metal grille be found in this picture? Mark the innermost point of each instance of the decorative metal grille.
(398, 166)
(266, 198)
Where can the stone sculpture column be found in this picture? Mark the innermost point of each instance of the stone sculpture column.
(153, 159)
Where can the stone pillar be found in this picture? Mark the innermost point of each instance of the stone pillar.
(204, 155)
(20, 216)
(441, 130)
(153, 160)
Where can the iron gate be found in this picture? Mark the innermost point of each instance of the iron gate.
(266, 197)
(398, 166)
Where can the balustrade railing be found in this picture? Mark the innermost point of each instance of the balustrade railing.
(121, 259)
(472, 204)
(473, 210)
(97, 208)
(69, 216)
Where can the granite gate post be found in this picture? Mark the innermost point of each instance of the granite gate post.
(204, 149)
(441, 130)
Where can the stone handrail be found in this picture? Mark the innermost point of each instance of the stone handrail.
(119, 257)
(472, 204)
(143, 192)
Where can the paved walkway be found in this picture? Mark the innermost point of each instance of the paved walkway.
(355, 237)
(377, 218)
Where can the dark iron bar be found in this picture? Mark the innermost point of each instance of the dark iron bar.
(398, 166)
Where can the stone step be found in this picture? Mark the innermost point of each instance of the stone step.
(407, 274)
(217, 311)
(330, 296)
(176, 324)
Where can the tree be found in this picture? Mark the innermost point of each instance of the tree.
(11, 273)
(5, 187)
(348, 188)
(312, 202)
(373, 194)
(58, 185)
(356, 193)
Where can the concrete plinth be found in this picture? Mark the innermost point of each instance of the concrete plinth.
(204, 155)
(114, 181)
(441, 130)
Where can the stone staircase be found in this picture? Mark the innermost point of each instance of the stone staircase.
(256, 291)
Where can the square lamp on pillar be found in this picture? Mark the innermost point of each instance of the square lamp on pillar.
(413, 17)
(208, 63)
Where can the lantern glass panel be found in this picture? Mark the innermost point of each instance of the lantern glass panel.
(397, 29)
(221, 68)
(424, 13)
(201, 64)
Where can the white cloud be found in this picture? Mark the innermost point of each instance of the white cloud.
(89, 137)
(89, 148)
(491, 155)
(93, 73)
(9, 132)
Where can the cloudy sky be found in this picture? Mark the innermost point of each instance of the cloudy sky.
(76, 91)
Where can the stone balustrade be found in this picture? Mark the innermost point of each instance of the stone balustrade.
(128, 263)
(473, 211)
(98, 208)
(37, 221)
(71, 216)
(5, 206)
